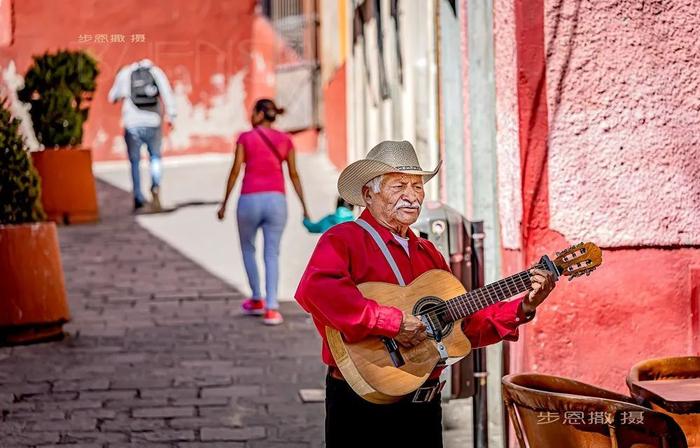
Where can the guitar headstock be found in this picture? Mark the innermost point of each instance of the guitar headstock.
(578, 260)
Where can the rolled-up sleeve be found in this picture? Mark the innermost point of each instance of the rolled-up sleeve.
(327, 292)
(495, 323)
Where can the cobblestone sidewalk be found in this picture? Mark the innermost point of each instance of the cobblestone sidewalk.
(157, 355)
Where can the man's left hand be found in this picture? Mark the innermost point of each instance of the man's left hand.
(542, 284)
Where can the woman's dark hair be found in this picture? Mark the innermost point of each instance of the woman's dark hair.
(343, 203)
(268, 108)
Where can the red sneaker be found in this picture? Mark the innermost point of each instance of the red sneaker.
(272, 317)
(253, 307)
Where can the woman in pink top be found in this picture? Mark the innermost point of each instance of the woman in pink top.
(262, 203)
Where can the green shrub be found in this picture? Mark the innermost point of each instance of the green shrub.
(20, 186)
(58, 87)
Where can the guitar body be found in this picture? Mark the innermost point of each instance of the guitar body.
(367, 365)
(377, 376)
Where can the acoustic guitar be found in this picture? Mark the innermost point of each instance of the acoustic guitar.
(381, 371)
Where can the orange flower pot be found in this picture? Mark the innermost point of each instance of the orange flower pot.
(33, 304)
(68, 191)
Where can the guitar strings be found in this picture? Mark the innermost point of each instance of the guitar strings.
(465, 297)
(465, 304)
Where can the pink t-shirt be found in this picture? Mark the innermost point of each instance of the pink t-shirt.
(263, 169)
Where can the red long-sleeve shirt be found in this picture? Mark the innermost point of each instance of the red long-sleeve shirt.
(346, 256)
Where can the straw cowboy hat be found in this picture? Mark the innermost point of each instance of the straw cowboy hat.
(387, 157)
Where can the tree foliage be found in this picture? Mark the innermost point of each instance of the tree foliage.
(59, 87)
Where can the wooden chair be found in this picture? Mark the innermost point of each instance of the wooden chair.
(534, 401)
(682, 367)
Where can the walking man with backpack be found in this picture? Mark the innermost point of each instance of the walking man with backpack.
(142, 86)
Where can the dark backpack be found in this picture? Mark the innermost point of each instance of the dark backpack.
(144, 90)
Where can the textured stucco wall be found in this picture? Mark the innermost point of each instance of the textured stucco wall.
(623, 87)
(636, 306)
(219, 57)
(510, 207)
(640, 303)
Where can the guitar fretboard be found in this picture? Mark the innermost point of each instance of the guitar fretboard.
(475, 300)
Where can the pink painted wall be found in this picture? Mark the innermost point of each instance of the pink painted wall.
(219, 56)
(608, 101)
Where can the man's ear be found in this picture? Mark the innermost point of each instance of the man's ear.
(367, 194)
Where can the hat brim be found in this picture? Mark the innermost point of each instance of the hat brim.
(357, 174)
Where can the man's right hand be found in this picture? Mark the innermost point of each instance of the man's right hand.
(412, 331)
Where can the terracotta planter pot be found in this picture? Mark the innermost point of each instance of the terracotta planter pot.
(67, 185)
(33, 302)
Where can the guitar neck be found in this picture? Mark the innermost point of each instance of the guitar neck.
(477, 299)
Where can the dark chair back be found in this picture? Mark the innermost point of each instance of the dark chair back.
(678, 367)
(553, 412)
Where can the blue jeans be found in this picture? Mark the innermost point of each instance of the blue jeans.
(135, 137)
(269, 211)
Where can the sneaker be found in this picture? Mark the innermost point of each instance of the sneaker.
(272, 317)
(138, 206)
(253, 307)
(155, 203)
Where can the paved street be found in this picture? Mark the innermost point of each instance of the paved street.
(157, 355)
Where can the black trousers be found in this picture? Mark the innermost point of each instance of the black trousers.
(354, 422)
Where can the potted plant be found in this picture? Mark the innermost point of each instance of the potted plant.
(59, 88)
(32, 292)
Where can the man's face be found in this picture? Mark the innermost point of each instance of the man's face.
(399, 199)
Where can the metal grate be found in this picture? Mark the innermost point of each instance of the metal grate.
(297, 81)
(295, 21)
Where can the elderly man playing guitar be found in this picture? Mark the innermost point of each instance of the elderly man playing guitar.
(380, 247)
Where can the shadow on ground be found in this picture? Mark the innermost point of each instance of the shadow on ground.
(157, 354)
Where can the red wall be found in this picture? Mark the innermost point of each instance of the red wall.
(641, 303)
(334, 118)
(194, 43)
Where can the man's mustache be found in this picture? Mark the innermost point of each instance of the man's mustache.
(407, 204)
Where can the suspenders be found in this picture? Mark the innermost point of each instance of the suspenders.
(382, 246)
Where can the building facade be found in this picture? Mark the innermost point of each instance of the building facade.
(219, 57)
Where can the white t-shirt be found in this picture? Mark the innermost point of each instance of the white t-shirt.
(403, 242)
(132, 116)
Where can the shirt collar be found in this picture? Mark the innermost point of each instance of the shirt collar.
(385, 233)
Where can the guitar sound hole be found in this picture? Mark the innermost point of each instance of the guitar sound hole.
(433, 312)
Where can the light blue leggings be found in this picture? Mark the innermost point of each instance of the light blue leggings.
(269, 211)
